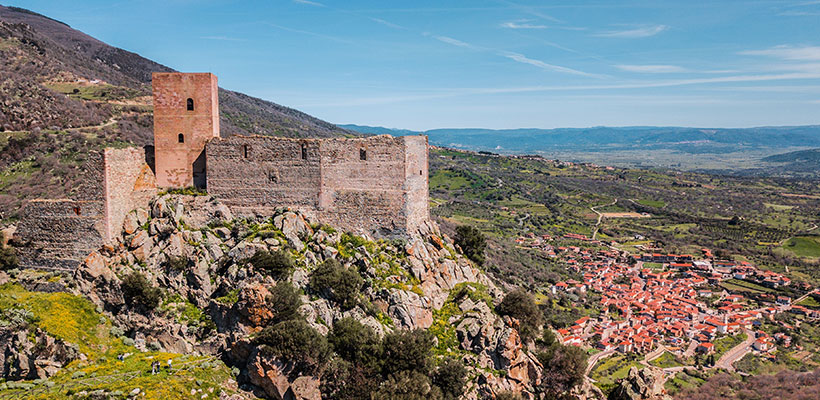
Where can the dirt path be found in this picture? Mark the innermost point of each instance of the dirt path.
(600, 217)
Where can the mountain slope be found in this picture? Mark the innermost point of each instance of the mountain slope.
(64, 94)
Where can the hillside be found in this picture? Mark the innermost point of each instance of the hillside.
(64, 93)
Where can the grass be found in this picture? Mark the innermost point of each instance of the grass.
(653, 265)
(778, 207)
(809, 302)
(94, 92)
(607, 372)
(666, 360)
(804, 246)
(651, 203)
(743, 286)
(723, 344)
(75, 320)
(65, 316)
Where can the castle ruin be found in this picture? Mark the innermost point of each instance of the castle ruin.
(376, 185)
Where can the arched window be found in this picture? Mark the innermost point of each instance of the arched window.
(190, 104)
(246, 150)
(304, 152)
(181, 138)
(363, 154)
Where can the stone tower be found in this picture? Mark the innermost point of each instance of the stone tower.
(186, 116)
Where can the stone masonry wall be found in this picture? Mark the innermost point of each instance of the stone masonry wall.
(60, 233)
(255, 174)
(374, 185)
(129, 184)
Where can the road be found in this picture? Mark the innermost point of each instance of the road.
(600, 217)
(595, 357)
(736, 353)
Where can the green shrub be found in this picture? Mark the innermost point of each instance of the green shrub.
(179, 263)
(278, 264)
(472, 242)
(8, 258)
(356, 343)
(407, 385)
(451, 377)
(408, 351)
(337, 283)
(285, 302)
(520, 305)
(138, 291)
(295, 342)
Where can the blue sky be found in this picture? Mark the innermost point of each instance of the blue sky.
(496, 64)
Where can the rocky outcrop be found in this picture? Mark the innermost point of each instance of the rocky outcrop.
(643, 384)
(193, 248)
(21, 358)
(272, 376)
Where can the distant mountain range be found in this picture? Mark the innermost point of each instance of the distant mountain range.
(607, 139)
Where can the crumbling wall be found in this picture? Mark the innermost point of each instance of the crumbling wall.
(416, 181)
(362, 185)
(60, 233)
(129, 184)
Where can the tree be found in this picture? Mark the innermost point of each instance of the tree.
(564, 368)
(356, 343)
(450, 377)
(472, 242)
(408, 351)
(338, 283)
(8, 258)
(278, 264)
(297, 343)
(520, 305)
(285, 302)
(138, 291)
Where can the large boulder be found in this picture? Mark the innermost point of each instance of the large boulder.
(643, 384)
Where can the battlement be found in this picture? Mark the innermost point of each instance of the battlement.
(375, 185)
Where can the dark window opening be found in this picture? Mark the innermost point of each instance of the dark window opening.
(304, 152)
(190, 104)
(246, 150)
(362, 154)
(181, 138)
(420, 172)
(77, 210)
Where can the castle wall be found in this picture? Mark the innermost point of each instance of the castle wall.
(359, 184)
(255, 174)
(129, 184)
(176, 163)
(59, 234)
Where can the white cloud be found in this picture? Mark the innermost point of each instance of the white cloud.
(310, 3)
(524, 24)
(454, 42)
(634, 33)
(652, 69)
(550, 67)
(794, 53)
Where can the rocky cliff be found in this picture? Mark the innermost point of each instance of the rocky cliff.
(217, 300)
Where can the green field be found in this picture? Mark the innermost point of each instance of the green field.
(809, 302)
(743, 286)
(804, 246)
(666, 360)
(651, 203)
(607, 372)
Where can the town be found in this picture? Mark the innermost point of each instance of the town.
(654, 303)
